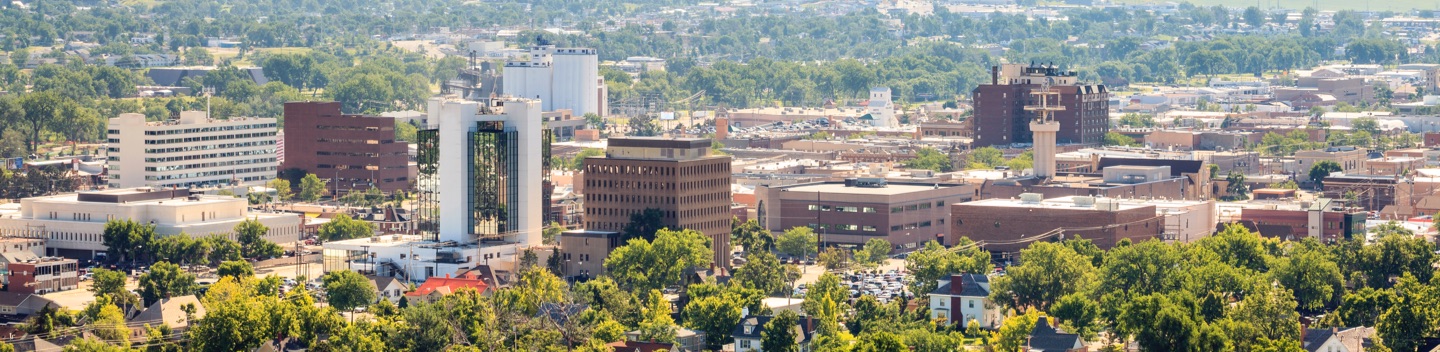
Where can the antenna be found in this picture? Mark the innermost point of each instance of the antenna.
(208, 91)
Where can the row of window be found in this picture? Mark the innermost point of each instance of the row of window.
(916, 225)
(814, 207)
(213, 173)
(207, 156)
(206, 147)
(357, 167)
(355, 141)
(916, 206)
(208, 165)
(207, 129)
(354, 128)
(206, 138)
(843, 227)
(370, 155)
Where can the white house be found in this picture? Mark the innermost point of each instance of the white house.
(965, 297)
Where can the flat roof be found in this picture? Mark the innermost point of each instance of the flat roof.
(1062, 203)
(888, 190)
(659, 142)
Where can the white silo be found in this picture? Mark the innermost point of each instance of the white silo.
(575, 81)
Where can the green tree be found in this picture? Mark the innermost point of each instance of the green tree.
(1312, 276)
(751, 236)
(311, 188)
(1322, 169)
(880, 341)
(658, 326)
(1049, 271)
(343, 227)
(1079, 314)
(405, 132)
(552, 233)
(928, 158)
(251, 235)
(347, 290)
(1411, 317)
(876, 250)
(282, 189)
(644, 224)
(716, 316)
(1394, 255)
(834, 258)
(762, 271)
(644, 126)
(1113, 138)
(1015, 331)
(43, 111)
(798, 241)
(126, 239)
(781, 333)
(111, 284)
(165, 280)
(642, 265)
(985, 157)
(237, 269)
(1235, 186)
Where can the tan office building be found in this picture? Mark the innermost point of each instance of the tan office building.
(678, 176)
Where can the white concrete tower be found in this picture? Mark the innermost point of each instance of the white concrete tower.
(1044, 128)
(515, 151)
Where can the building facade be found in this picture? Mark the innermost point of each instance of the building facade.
(584, 251)
(192, 151)
(679, 177)
(353, 151)
(73, 224)
(494, 160)
(1009, 225)
(1000, 114)
(27, 273)
(907, 214)
(561, 78)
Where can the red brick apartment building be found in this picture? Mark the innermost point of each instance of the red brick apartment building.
(1000, 115)
(353, 151)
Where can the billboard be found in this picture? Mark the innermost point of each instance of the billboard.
(667, 115)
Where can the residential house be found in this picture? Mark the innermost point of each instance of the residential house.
(172, 312)
(1336, 339)
(23, 304)
(685, 339)
(965, 297)
(636, 346)
(437, 287)
(747, 333)
(388, 287)
(1047, 338)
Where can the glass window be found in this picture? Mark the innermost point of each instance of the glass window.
(867, 228)
(849, 209)
(812, 207)
(868, 209)
(896, 209)
(912, 207)
(895, 228)
(924, 224)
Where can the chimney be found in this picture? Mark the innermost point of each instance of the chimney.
(722, 128)
(957, 283)
(994, 75)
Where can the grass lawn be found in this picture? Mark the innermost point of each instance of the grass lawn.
(1362, 5)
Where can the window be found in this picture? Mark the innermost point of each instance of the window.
(972, 303)
(912, 207)
(867, 209)
(940, 203)
(924, 224)
(896, 209)
(867, 228)
(812, 207)
(824, 208)
(895, 228)
(848, 209)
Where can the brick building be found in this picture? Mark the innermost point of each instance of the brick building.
(907, 214)
(1009, 225)
(27, 273)
(678, 176)
(353, 151)
(1000, 115)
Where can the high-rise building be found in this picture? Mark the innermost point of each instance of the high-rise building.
(561, 78)
(482, 187)
(1000, 115)
(677, 176)
(192, 151)
(353, 151)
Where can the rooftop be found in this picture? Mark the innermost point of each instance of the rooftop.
(1062, 203)
(840, 188)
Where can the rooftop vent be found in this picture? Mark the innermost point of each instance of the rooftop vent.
(1084, 201)
(1031, 198)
